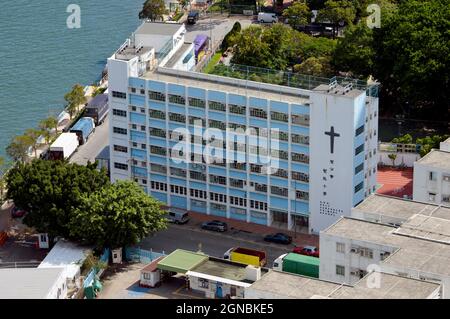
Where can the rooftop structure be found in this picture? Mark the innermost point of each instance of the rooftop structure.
(181, 261)
(67, 255)
(436, 158)
(158, 28)
(29, 283)
(98, 101)
(277, 284)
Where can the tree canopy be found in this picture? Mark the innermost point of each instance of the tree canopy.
(74, 99)
(17, 149)
(298, 14)
(153, 10)
(120, 214)
(50, 190)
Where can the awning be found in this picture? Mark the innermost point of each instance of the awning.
(181, 261)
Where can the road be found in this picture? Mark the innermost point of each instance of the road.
(216, 27)
(212, 243)
(94, 145)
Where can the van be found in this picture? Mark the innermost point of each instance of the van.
(193, 17)
(177, 217)
(264, 17)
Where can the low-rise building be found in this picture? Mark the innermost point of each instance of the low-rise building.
(432, 177)
(33, 283)
(419, 248)
(281, 285)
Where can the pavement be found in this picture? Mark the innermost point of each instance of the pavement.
(94, 145)
(395, 181)
(191, 237)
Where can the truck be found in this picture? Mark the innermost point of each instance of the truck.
(97, 108)
(246, 256)
(298, 264)
(83, 128)
(63, 147)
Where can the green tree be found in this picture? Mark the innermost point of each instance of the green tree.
(228, 40)
(393, 157)
(18, 148)
(429, 142)
(153, 10)
(412, 55)
(354, 52)
(2, 178)
(74, 99)
(336, 12)
(119, 215)
(32, 135)
(250, 49)
(298, 14)
(405, 139)
(47, 125)
(50, 190)
(314, 66)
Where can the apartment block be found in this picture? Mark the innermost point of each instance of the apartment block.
(284, 155)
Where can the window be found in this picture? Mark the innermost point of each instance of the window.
(119, 113)
(120, 130)
(147, 276)
(133, 90)
(301, 139)
(275, 190)
(277, 116)
(279, 154)
(359, 149)
(157, 96)
(119, 95)
(157, 114)
(302, 195)
(258, 113)
(158, 168)
(158, 186)
(133, 108)
(217, 124)
(216, 106)
(237, 109)
(300, 119)
(178, 189)
(196, 102)
(193, 120)
(281, 173)
(340, 248)
(203, 283)
(431, 197)
(157, 132)
(158, 150)
(237, 165)
(433, 176)
(197, 175)
(366, 252)
(121, 166)
(120, 148)
(143, 127)
(177, 99)
(254, 168)
(279, 135)
(174, 171)
(302, 158)
(340, 270)
(299, 176)
(217, 179)
(175, 117)
(359, 187)
(359, 168)
(237, 183)
(359, 130)
(235, 126)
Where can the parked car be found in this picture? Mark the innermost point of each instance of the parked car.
(215, 225)
(264, 17)
(177, 217)
(193, 16)
(279, 238)
(307, 250)
(17, 212)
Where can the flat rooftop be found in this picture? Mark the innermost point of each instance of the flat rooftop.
(27, 283)
(436, 158)
(411, 251)
(223, 269)
(213, 82)
(287, 285)
(158, 28)
(382, 205)
(177, 55)
(181, 261)
(339, 90)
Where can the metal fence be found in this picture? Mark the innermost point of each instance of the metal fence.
(136, 254)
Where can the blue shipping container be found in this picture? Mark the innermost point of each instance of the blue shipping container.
(83, 128)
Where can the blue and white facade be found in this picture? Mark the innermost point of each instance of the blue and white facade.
(148, 108)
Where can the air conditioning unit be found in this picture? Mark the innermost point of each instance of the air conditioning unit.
(354, 273)
(354, 250)
(446, 178)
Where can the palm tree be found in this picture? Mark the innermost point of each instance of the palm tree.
(393, 157)
(74, 99)
(18, 148)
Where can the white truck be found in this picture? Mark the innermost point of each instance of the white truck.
(63, 147)
(264, 17)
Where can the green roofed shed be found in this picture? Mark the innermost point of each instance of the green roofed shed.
(181, 261)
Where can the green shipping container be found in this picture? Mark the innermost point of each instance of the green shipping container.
(301, 265)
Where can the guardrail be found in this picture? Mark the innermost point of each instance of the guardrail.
(20, 264)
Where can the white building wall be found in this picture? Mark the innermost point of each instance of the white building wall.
(331, 198)
(59, 289)
(430, 190)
